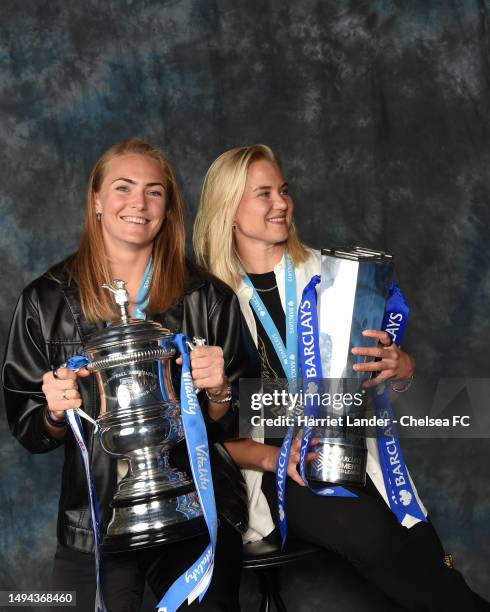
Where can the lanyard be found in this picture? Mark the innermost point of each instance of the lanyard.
(288, 355)
(142, 295)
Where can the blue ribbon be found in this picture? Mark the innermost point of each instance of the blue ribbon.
(75, 363)
(401, 496)
(312, 381)
(194, 582)
(311, 369)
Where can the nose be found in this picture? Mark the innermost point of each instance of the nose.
(139, 201)
(280, 202)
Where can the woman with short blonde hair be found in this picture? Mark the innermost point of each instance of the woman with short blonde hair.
(222, 191)
(244, 234)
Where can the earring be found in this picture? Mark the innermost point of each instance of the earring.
(233, 227)
(98, 216)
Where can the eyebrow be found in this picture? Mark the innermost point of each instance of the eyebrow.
(269, 187)
(126, 180)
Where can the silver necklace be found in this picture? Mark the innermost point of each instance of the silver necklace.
(265, 290)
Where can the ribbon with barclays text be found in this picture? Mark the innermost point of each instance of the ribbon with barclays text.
(311, 375)
(401, 496)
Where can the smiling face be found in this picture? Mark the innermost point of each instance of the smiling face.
(265, 212)
(132, 201)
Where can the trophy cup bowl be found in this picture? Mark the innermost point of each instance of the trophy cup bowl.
(353, 291)
(140, 422)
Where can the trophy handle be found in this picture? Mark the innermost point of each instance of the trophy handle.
(75, 363)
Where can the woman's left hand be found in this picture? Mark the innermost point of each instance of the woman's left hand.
(393, 362)
(208, 370)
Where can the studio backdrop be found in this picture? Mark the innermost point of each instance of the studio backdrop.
(380, 114)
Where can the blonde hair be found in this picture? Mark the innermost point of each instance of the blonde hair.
(222, 191)
(90, 266)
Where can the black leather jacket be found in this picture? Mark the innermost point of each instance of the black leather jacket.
(48, 327)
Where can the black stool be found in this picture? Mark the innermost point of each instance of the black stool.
(266, 560)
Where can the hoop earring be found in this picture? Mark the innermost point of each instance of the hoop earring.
(98, 216)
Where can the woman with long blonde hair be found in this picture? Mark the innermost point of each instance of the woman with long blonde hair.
(245, 235)
(134, 230)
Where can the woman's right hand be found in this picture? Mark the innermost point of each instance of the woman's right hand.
(62, 391)
(294, 458)
(270, 460)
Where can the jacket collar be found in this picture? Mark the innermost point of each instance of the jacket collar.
(196, 278)
(85, 328)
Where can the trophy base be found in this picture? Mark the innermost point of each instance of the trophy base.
(338, 464)
(154, 521)
(174, 533)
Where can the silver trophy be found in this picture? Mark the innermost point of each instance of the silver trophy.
(353, 292)
(140, 422)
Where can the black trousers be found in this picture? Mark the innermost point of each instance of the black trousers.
(406, 564)
(124, 574)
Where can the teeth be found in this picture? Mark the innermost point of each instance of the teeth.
(275, 219)
(137, 220)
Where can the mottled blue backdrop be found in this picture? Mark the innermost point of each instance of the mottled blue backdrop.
(380, 112)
